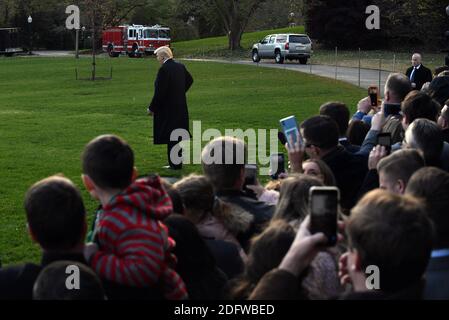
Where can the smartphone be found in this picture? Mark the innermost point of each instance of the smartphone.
(323, 203)
(384, 139)
(290, 129)
(282, 138)
(277, 165)
(250, 174)
(373, 93)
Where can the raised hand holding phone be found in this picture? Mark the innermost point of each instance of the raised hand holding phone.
(291, 130)
(376, 154)
(305, 247)
(295, 152)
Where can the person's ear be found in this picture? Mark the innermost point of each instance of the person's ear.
(135, 174)
(387, 95)
(404, 122)
(30, 232)
(90, 185)
(356, 262)
(400, 186)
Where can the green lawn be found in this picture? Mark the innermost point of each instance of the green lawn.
(47, 117)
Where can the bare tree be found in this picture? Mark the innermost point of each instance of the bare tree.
(235, 15)
(106, 13)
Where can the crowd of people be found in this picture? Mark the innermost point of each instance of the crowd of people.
(206, 237)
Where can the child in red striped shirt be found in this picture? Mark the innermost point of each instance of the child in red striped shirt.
(132, 247)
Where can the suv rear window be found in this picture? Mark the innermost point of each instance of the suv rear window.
(281, 39)
(299, 39)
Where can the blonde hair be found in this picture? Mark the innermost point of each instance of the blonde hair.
(165, 52)
(293, 202)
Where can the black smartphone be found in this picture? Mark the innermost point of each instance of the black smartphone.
(384, 139)
(277, 165)
(323, 203)
(373, 93)
(250, 174)
(282, 138)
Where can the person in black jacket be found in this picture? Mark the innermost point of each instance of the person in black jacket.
(320, 134)
(417, 73)
(169, 105)
(195, 262)
(339, 112)
(57, 222)
(223, 161)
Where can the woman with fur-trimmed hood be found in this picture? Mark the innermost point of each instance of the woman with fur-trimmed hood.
(214, 218)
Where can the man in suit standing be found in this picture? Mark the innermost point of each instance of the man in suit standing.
(169, 104)
(417, 73)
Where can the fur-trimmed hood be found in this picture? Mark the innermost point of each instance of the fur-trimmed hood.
(235, 218)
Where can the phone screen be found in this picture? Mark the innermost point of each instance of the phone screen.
(290, 128)
(373, 92)
(384, 139)
(324, 208)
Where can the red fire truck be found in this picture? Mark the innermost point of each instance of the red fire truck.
(135, 40)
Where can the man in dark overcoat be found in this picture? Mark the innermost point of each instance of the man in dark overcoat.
(169, 106)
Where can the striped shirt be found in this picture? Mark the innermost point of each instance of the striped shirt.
(134, 244)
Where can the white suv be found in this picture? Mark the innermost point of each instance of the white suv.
(283, 46)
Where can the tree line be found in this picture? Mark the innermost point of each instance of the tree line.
(188, 19)
(403, 23)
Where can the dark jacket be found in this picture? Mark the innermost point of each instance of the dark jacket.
(352, 148)
(445, 133)
(261, 211)
(370, 182)
(227, 256)
(349, 171)
(16, 282)
(421, 76)
(169, 103)
(437, 279)
(439, 89)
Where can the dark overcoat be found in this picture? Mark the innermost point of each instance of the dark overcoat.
(169, 103)
(421, 76)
